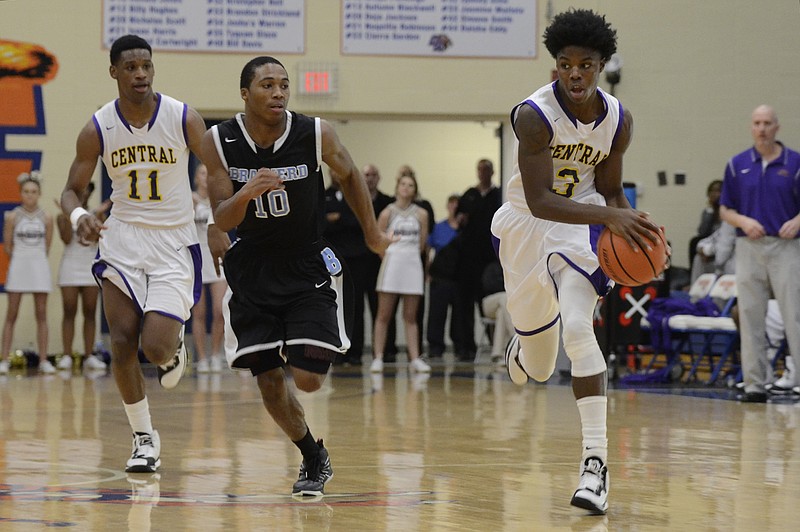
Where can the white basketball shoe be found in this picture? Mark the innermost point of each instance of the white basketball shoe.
(592, 492)
(515, 370)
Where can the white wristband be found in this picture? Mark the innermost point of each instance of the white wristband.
(210, 220)
(75, 215)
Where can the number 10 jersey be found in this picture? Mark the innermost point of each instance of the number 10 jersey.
(282, 221)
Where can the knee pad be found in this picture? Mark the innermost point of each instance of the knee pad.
(580, 343)
(586, 358)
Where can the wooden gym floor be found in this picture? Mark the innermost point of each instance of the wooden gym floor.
(461, 450)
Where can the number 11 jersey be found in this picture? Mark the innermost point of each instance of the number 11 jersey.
(148, 166)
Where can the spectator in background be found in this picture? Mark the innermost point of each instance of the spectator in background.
(379, 202)
(442, 273)
(709, 219)
(494, 307)
(27, 235)
(345, 233)
(214, 285)
(715, 252)
(475, 211)
(77, 283)
(402, 272)
(406, 170)
(761, 198)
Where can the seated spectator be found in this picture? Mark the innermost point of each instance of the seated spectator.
(715, 253)
(709, 218)
(493, 305)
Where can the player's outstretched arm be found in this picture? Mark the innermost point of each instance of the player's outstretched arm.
(353, 186)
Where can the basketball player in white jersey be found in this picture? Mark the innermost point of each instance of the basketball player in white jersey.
(571, 137)
(149, 258)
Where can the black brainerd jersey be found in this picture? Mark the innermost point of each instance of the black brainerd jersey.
(288, 220)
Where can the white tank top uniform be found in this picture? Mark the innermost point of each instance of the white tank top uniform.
(532, 250)
(76, 264)
(150, 248)
(202, 210)
(148, 166)
(29, 269)
(401, 268)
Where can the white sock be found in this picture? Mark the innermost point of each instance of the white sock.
(139, 416)
(593, 426)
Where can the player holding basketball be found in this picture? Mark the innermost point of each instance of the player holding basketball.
(284, 303)
(567, 180)
(149, 257)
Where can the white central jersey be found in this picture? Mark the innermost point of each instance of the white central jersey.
(148, 166)
(576, 148)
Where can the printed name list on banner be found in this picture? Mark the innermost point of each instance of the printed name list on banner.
(209, 25)
(454, 28)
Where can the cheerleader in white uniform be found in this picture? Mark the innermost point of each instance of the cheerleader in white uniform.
(27, 235)
(216, 284)
(78, 284)
(401, 273)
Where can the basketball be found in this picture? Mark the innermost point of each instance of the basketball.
(628, 267)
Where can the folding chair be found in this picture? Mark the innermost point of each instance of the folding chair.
(699, 289)
(707, 337)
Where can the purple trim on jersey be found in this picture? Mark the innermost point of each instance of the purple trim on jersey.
(597, 278)
(572, 118)
(563, 105)
(619, 123)
(184, 125)
(152, 119)
(604, 113)
(770, 195)
(540, 329)
(515, 111)
(155, 113)
(168, 315)
(496, 246)
(594, 235)
(542, 116)
(197, 261)
(122, 118)
(99, 268)
(99, 133)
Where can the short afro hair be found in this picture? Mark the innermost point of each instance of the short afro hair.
(249, 70)
(581, 27)
(125, 43)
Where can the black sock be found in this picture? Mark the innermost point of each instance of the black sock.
(308, 446)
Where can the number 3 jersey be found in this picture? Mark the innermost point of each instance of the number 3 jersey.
(576, 148)
(148, 166)
(280, 221)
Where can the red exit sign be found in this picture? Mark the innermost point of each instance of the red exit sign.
(318, 81)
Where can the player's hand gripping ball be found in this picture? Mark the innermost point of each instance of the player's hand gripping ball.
(628, 267)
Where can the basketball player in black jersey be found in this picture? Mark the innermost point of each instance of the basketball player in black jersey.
(284, 306)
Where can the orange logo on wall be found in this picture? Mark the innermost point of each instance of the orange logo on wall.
(24, 68)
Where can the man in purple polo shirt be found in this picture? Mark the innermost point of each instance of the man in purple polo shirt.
(761, 198)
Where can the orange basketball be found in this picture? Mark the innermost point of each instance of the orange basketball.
(628, 267)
